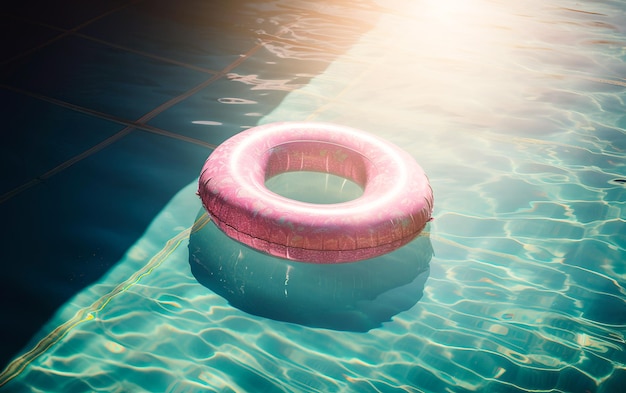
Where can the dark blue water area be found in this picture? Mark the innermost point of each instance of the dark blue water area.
(357, 296)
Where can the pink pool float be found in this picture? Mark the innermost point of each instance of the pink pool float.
(396, 203)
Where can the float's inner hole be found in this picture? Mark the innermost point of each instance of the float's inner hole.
(316, 172)
(314, 187)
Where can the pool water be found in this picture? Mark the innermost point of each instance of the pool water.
(314, 187)
(115, 280)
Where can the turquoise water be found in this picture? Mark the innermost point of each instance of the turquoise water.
(517, 113)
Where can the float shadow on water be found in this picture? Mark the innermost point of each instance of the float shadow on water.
(357, 296)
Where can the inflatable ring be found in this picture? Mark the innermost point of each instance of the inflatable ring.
(396, 203)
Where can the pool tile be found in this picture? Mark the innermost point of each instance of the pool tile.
(189, 31)
(219, 111)
(54, 135)
(99, 77)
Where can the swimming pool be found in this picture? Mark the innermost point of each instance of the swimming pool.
(516, 112)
